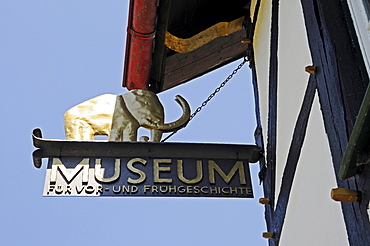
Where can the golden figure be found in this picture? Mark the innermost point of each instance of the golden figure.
(120, 116)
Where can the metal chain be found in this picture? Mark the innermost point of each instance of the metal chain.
(211, 96)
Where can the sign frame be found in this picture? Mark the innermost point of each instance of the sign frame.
(108, 168)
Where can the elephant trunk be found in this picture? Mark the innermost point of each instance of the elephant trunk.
(182, 121)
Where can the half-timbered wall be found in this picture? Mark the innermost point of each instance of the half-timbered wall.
(310, 215)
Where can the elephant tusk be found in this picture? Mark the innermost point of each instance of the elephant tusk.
(182, 121)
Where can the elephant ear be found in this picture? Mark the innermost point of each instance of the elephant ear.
(145, 107)
(121, 113)
(121, 118)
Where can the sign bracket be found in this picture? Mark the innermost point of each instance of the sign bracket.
(59, 148)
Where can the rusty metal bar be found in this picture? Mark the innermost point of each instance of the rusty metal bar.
(59, 148)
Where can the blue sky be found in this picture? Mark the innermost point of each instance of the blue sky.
(55, 54)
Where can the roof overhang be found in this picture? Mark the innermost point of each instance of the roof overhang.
(191, 38)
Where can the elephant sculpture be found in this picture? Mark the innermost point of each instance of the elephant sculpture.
(120, 116)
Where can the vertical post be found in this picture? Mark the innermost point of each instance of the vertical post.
(272, 110)
(341, 84)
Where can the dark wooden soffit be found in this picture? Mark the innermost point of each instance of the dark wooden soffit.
(189, 20)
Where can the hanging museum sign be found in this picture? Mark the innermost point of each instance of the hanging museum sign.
(102, 168)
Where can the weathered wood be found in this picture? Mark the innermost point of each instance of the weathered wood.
(341, 85)
(272, 110)
(190, 17)
(258, 133)
(269, 209)
(185, 59)
(363, 185)
(187, 18)
(183, 67)
(344, 195)
(358, 148)
(293, 157)
(159, 59)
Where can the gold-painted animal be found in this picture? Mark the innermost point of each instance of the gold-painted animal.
(120, 116)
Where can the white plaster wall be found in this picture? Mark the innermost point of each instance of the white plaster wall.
(312, 217)
(294, 56)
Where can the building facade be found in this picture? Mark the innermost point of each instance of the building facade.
(311, 69)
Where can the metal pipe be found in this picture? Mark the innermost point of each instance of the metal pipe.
(139, 43)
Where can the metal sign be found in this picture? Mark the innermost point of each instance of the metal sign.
(147, 177)
(97, 168)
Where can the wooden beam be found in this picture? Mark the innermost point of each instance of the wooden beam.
(159, 59)
(258, 135)
(181, 68)
(272, 110)
(293, 157)
(341, 83)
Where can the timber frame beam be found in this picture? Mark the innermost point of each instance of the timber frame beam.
(341, 86)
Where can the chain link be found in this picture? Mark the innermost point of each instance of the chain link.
(211, 96)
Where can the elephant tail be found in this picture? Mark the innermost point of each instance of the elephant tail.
(182, 121)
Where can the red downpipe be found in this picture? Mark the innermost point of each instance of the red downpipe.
(139, 43)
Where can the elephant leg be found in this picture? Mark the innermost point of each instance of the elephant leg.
(156, 135)
(79, 130)
(115, 135)
(86, 134)
(129, 133)
(70, 133)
